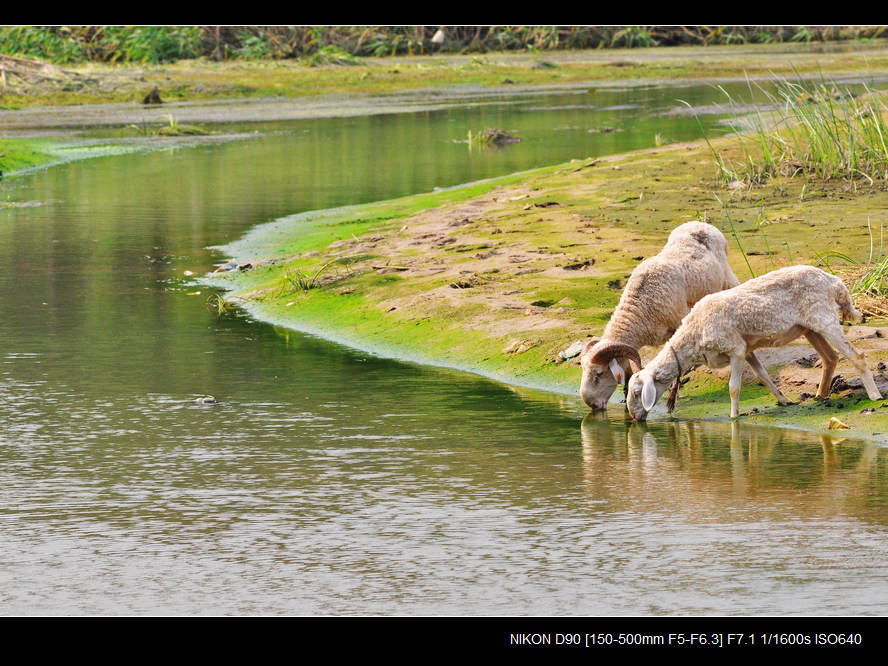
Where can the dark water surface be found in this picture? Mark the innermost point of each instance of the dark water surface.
(329, 481)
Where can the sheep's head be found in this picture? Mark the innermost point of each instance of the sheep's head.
(605, 364)
(643, 392)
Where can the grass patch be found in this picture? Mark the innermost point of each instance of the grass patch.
(303, 281)
(18, 154)
(219, 305)
(490, 138)
(172, 128)
(331, 55)
(822, 130)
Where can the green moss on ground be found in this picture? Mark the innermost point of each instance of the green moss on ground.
(19, 154)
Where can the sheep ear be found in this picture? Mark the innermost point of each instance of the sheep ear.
(616, 370)
(648, 393)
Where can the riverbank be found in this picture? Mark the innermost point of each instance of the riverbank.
(499, 277)
(20, 155)
(196, 80)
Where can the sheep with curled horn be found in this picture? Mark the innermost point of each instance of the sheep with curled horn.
(659, 293)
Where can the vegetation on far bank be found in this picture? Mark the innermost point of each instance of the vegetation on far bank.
(322, 44)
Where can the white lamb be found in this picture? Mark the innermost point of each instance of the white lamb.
(769, 311)
(660, 292)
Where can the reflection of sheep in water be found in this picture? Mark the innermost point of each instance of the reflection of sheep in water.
(769, 311)
(660, 292)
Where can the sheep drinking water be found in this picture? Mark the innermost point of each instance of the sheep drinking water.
(660, 292)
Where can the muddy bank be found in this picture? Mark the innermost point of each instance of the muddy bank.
(190, 81)
(497, 278)
(56, 120)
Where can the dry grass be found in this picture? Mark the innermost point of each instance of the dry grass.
(871, 304)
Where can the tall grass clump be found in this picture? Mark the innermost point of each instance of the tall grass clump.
(219, 304)
(820, 130)
(72, 44)
(867, 281)
(736, 237)
(304, 281)
(489, 138)
(869, 286)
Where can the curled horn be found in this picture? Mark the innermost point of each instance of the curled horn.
(604, 351)
(589, 345)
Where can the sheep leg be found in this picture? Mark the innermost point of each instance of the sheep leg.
(673, 395)
(734, 384)
(759, 370)
(836, 337)
(828, 357)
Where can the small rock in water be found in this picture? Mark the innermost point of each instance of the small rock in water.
(835, 424)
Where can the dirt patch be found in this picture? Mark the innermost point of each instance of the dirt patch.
(457, 245)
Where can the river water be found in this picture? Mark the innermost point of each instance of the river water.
(329, 481)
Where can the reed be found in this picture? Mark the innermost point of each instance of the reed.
(726, 173)
(489, 138)
(821, 130)
(174, 128)
(736, 237)
(218, 304)
(299, 280)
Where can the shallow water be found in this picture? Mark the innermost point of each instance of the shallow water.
(329, 481)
